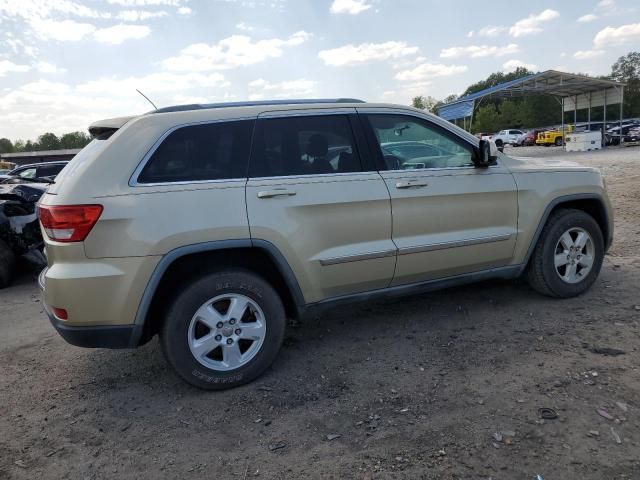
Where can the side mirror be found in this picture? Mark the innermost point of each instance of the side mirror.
(486, 154)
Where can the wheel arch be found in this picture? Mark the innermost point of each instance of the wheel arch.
(191, 261)
(591, 203)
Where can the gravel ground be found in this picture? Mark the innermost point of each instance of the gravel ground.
(445, 385)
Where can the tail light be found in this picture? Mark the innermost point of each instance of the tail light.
(68, 223)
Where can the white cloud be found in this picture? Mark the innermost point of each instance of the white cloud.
(491, 31)
(230, 52)
(244, 26)
(7, 66)
(287, 88)
(618, 36)
(139, 15)
(587, 54)
(533, 23)
(63, 31)
(350, 55)
(589, 17)
(184, 10)
(46, 67)
(352, 7)
(475, 51)
(429, 70)
(146, 3)
(119, 33)
(511, 65)
(470, 34)
(154, 82)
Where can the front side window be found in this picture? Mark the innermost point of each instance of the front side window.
(214, 151)
(409, 143)
(27, 173)
(304, 145)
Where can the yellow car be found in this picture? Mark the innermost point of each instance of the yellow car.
(553, 137)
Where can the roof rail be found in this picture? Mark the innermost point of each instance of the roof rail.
(196, 106)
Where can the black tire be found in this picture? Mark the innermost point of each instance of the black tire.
(541, 271)
(558, 142)
(7, 265)
(174, 332)
(499, 143)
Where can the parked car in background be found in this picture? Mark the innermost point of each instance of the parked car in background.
(553, 136)
(20, 235)
(612, 135)
(507, 137)
(46, 170)
(528, 139)
(633, 135)
(210, 225)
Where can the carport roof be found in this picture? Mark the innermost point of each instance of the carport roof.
(550, 82)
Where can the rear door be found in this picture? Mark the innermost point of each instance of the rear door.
(313, 194)
(449, 218)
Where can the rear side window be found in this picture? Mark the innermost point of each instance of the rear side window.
(214, 151)
(304, 145)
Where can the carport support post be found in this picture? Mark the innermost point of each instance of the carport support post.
(562, 128)
(621, 113)
(604, 120)
(589, 113)
(575, 111)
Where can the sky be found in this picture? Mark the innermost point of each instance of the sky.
(67, 63)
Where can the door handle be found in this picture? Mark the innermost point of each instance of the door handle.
(278, 192)
(411, 184)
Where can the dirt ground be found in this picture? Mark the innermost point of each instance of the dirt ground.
(445, 385)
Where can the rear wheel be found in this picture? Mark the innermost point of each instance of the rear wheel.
(568, 256)
(559, 142)
(223, 330)
(499, 143)
(7, 264)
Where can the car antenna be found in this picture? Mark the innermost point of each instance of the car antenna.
(147, 98)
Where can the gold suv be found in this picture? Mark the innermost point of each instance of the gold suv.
(211, 224)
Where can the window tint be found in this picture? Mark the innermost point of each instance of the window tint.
(409, 143)
(49, 170)
(304, 146)
(201, 152)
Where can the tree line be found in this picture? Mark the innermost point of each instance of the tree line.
(492, 115)
(46, 141)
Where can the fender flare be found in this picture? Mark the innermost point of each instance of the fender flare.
(549, 208)
(167, 260)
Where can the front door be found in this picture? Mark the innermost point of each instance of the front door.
(449, 218)
(312, 197)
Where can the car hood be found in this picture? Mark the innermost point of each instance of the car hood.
(533, 164)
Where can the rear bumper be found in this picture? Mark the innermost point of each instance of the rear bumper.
(100, 336)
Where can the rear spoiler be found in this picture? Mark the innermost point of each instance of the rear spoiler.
(103, 129)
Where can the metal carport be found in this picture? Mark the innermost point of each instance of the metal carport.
(573, 92)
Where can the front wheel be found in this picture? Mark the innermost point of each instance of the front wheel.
(223, 330)
(568, 256)
(558, 142)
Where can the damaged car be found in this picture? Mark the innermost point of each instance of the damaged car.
(20, 236)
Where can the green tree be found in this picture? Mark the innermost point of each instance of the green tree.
(627, 69)
(6, 146)
(74, 140)
(48, 141)
(424, 103)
